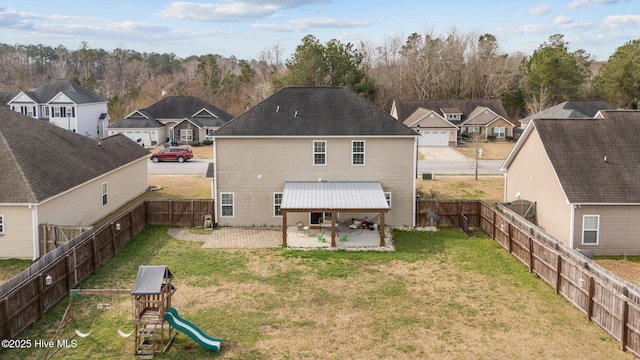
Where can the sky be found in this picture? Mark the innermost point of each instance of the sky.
(245, 28)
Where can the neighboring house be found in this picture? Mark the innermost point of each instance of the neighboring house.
(569, 110)
(441, 122)
(53, 176)
(65, 104)
(348, 156)
(183, 119)
(583, 176)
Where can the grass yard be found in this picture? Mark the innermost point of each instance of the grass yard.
(455, 187)
(439, 296)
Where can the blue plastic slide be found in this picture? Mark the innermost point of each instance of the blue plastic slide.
(192, 331)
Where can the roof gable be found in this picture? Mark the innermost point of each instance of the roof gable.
(404, 108)
(45, 160)
(70, 89)
(180, 107)
(428, 118)
(314, 111)
(595, 159)
(22, 98)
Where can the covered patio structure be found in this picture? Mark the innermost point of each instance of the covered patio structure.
(333, 198)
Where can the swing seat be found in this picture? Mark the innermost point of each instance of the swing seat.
(81, 334)
(123, 334)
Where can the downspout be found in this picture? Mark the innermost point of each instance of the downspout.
(215, 179)
(35, 231)
(415, 172)
(572, 225)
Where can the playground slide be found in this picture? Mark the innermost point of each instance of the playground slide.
(192, 331)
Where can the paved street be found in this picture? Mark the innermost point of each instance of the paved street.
(449, 161)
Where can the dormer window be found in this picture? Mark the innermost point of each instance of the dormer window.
(453, 116)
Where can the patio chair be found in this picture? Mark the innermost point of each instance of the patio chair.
(302, 228)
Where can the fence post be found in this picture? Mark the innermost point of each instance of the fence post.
(509, 235)
(67, 261)
(558, 273)
(590, 299)
(193, 214)
(40, 296)
(625, 319)
(493, 225)
(530, 254)
(94, 255)
(5, 315)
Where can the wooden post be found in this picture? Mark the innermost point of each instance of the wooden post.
(509, 235)
(625, 319)
(94, 256)
(67, 260)
(493, 226)
(40, 281)
(284, 229)
(333, 229)
(381, 228)
(558, 272)
(530, 254)
(591, 292)
(5, 316)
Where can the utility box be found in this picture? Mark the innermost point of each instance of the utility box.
(431, 176)
(208, 224)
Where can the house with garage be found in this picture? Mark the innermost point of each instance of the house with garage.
(317, 156)
(443, 122)
(51, 176)
(181, 119)
(65, 104)
(583, 176)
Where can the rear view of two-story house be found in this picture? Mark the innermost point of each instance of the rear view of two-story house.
(308, 154)
(64, 104)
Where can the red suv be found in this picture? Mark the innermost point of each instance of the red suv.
(177, 153)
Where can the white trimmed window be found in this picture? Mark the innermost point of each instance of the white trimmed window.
(319, 152)
(387, 195)
(499, 132)
(590, 229)
(357, 152)
(473, 130)
(56, 111)
(186, 135)
(105, 194)
(227, 204)
(277, 201)
(1, 224)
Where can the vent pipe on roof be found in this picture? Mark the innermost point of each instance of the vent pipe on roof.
(278, 108)
(295, 113)
(605, 160)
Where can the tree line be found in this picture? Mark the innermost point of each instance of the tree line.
(453, 65)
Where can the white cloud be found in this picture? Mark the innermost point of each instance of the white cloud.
(561, 20)
(620, 21)
(582, 3)
(538, 10)
(230, 10)
(312, 23)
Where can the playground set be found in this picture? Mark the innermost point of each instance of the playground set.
(154, 318)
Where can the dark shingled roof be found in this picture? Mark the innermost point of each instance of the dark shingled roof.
(48, 91)
(314, 111)
(40, 160)
(404, 108)
(571, 110)
(180, 107)
(577, 149)
(136, 122)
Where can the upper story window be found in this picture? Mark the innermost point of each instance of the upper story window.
(453, 116)
(1, 224)
(319, 152)
(357, 152)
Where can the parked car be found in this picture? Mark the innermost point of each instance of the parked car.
(176, 153)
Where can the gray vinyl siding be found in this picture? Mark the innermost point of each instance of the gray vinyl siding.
(253, 169)
(83, 205)
(17, 240)
(618, 231)
(532, 175)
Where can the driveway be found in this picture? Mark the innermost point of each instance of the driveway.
(448, 160)
(191, 167)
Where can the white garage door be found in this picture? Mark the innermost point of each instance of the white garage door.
(434, 138)
(144, 135)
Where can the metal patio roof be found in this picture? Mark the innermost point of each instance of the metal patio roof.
(329, 195)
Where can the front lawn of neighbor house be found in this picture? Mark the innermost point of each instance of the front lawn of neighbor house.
(441, 295)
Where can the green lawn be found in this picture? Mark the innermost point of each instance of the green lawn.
(440, 295)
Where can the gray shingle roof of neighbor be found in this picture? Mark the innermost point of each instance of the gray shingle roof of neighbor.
(136, 122)
(571, 110)
(315, 111)
(180, 107)
(405, 108)
(40, 160)
(577, 149)
(73, 91)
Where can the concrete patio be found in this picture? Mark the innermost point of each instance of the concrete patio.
(361, 239)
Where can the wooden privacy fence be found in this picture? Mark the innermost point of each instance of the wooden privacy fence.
(602, 297)
(451, 212)
(28, 296)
